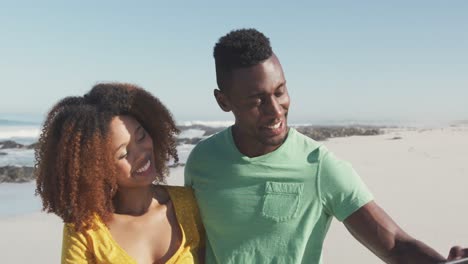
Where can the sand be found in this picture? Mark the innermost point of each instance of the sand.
(419, 177)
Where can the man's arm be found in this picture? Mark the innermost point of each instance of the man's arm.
(379, 233)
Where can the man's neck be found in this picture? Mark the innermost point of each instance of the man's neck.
(252, 148)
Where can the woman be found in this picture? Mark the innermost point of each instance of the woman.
(96, 164)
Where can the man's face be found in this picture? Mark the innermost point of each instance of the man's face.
(259, 100)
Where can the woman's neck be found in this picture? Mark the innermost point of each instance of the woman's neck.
(133, 201)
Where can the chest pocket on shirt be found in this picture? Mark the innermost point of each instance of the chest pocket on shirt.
(281, 200)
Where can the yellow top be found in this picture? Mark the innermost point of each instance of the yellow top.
(98, 246)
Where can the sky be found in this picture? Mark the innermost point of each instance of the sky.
(386, 61)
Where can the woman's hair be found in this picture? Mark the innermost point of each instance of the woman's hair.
(75, 171)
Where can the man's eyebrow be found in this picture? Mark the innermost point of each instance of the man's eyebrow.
(255, 95)
(282, 84)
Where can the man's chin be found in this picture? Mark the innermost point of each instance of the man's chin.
(275, 141)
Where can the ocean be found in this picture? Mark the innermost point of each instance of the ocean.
(28, 134)
(24, 133)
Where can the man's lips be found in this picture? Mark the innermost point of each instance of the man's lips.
(273, 129)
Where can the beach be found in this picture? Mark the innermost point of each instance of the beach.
(419, 177)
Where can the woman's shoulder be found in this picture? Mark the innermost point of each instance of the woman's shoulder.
(180, 190)
(95, 227)
(181, 197)
(180, 194)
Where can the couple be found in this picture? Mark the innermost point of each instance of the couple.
(266, 193)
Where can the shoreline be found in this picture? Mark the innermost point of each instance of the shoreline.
(189, 136)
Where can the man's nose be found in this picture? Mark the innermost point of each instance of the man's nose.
(273, 107)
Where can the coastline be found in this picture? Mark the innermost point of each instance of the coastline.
(16, 163)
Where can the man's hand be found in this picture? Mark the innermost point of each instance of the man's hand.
(458, 252)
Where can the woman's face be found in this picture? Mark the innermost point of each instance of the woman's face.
(132, 149)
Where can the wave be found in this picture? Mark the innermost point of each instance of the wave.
(192, 133)
(19, 132)
(8, 122)
(206, 123)
(17, 157)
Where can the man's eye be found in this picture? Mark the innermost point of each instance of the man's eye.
(279, 92)
(257, 101)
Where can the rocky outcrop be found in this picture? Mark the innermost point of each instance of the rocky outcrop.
(16, 174)
(323, 133)
(9, 144)
(318, 133)
(32, 146)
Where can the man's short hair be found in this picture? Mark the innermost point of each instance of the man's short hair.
(239, 49)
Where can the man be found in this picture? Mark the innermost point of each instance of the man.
(267, 193)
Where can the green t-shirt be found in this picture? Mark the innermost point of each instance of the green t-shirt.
(274, 208)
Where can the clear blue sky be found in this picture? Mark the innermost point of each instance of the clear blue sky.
(343, 60)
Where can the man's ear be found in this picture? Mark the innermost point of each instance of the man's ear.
(222, 100)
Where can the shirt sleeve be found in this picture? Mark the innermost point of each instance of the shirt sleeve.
(74, 247)
(342, 190)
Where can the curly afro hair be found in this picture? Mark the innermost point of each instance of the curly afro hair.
(74, 170)
(238, 49)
